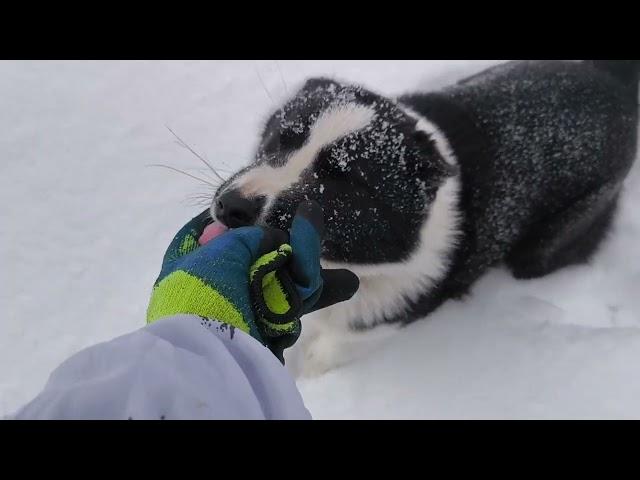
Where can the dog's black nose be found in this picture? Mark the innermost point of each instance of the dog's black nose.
(234, 210)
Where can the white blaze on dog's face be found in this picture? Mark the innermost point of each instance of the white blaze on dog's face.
(363, 158)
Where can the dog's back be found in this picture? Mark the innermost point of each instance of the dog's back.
(551, 144)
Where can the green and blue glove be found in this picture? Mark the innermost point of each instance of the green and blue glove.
(258, 279)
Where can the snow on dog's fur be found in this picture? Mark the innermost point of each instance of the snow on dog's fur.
(520, 164)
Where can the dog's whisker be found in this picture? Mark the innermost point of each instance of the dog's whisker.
(198, 200)
(204, 174)
(208, 195)
(182, 172)
(286, 90)
(192, 203)
(204, 170)
(241, 158)
(263, 85)
(183, 144)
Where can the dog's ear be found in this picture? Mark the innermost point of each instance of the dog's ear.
(319, 82)
(427, 146)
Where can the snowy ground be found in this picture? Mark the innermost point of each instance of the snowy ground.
(85, 224)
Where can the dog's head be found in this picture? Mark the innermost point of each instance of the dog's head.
(365, 159)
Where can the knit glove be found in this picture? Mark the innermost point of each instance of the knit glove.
(258, 279)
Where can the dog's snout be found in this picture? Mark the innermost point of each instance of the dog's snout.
(235, 210)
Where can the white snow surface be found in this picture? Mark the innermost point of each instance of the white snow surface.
(85, 223)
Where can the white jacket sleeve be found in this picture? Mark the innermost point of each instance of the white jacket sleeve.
(181, 367)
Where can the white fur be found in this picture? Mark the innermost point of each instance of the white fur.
(322, 346)
(329, 340)
(425, 125)
(330, 126)
(385, 288)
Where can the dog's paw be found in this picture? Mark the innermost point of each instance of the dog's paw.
(320, 355)
(294, 357)
(320, 350)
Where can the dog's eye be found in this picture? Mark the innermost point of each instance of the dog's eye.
(276, 141)
(271, 142)
(333, 164)
(291, 140)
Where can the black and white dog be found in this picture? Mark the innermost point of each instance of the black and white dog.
(522, 164)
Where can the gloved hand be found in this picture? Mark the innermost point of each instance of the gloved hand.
(258, 279)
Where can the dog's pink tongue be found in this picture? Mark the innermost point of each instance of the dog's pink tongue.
(211, 232)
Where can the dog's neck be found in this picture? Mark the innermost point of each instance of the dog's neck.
(387, 289)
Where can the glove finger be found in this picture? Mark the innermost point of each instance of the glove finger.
(311, 211)
(186, 240)
(306, 234)
(338, 286)
(242, 247)
(272, 239)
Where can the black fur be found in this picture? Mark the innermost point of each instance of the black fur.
(373, 185)
(542, 150)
